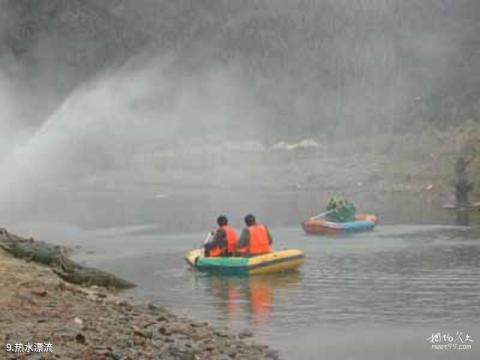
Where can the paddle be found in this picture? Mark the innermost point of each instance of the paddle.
(323, 214)
(207, 239)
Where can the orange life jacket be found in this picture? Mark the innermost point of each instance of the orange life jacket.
(232, 238)
(216, 251)
(259, 243)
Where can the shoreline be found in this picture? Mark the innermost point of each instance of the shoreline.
(96, 323)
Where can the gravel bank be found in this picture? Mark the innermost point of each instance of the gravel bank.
(94, 323)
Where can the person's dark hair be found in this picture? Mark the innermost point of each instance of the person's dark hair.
(250, 220)
(222, 220)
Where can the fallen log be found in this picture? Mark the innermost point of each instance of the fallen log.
(55, 257)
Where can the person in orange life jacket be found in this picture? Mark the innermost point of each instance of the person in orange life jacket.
(255, 239)
(224, 239)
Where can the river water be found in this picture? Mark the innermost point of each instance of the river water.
(366, 296)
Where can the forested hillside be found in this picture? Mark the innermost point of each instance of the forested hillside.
(329, 66)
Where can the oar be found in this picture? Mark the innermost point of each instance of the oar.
(207, 239)
(323, 214)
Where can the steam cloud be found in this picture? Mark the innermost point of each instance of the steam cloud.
(91, 99)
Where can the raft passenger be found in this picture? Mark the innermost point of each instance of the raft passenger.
(255, 239)
(223, 241)
(340, 210)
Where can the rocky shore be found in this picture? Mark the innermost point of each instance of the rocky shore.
(43, 317)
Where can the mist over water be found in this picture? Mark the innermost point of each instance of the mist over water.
(252, 74)
(110, 122)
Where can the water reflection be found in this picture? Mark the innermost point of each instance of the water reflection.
(253, 298)
(394, 286)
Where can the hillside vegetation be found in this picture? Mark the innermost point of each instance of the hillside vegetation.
(328, 66)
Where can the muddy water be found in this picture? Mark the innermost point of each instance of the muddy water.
(375, 295)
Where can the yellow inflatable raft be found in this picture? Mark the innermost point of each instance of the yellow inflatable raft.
(276, 261)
